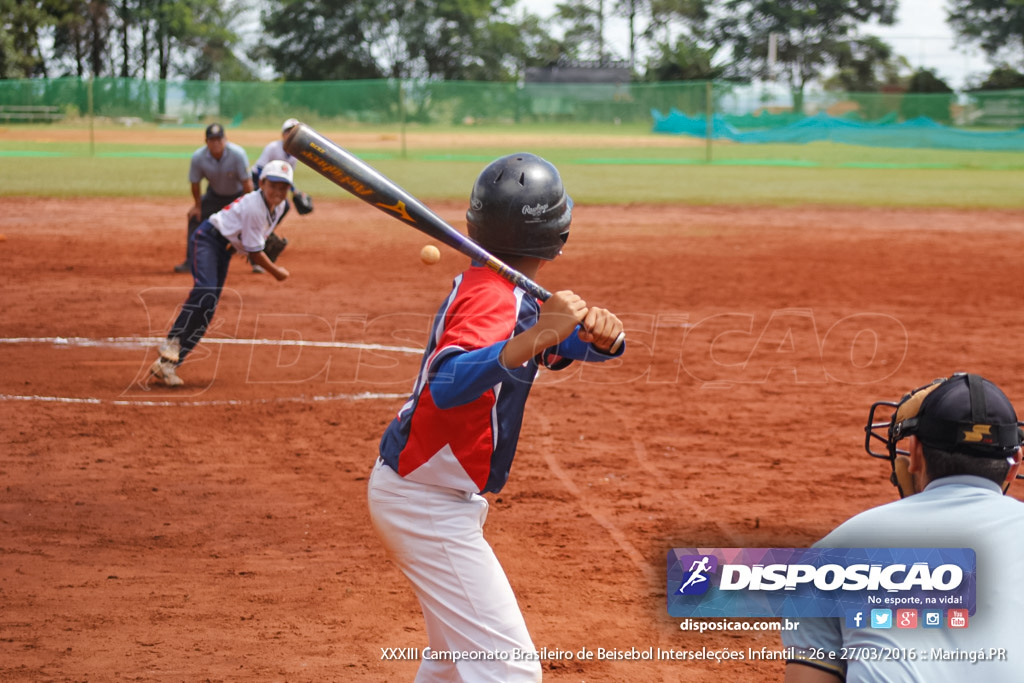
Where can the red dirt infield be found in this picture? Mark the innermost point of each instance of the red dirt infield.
(220, 532)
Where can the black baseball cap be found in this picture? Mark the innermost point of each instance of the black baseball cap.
(963, 414)
(214, 130)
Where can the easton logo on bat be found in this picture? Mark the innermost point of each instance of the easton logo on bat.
(336, 173)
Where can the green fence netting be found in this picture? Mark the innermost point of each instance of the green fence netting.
(742, 108)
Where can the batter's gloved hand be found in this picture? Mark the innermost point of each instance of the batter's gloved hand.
(303, 203)
(274, 245)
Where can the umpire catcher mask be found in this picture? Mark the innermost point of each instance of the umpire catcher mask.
(963, 414)
(519, 207)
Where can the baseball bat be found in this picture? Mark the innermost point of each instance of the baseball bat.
(354, 175)
(367, 183)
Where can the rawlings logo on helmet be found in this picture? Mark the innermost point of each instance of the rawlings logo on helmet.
(534, 211)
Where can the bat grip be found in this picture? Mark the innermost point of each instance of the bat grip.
(617, 344)
(543, 294)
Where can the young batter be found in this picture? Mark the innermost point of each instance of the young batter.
(456, 436)
(241, 226)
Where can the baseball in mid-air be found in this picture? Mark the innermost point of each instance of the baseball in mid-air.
(430, 254)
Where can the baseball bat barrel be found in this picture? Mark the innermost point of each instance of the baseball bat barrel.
(354, 175)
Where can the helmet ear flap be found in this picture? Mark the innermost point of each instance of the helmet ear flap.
(901, 477)
(1013, 471)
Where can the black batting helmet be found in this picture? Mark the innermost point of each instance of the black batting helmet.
(519, 207)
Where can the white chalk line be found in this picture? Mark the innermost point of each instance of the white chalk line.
(363, 396)
(584, 501)
(148, 342)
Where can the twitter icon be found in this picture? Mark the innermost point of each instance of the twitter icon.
(881, 618)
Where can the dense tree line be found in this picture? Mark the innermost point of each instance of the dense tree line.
(792, 41)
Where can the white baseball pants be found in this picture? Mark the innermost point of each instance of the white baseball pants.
(475, 630)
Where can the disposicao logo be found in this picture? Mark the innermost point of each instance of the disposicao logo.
(813, 582)
(832, 577)
(698, 567)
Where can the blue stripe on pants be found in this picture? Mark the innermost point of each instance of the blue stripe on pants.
(210, 270)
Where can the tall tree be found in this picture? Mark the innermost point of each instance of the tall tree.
(584, 23)
(21, 23)
(927, 95)
(995, 25)
(808, 35)
(536, 46)
(125, 17)
(450, 39)
(673, 20)
(1003, 77)
(321, 40)
(184, 31)
(866, 65)
(98, 25)
(505, 48)
(685, 61)
(435, 39)
(661, 23)
(145, 20)
(682, 51)
(82, 36)
(210, 46)
(630, 10)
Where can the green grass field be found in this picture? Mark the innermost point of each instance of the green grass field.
(600, 164)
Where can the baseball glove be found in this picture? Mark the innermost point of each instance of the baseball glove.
(274, 245)
(303, 203)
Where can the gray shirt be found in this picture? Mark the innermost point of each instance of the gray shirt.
(226, 174)
(952, 512)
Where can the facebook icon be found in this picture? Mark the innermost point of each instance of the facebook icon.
(854, 618)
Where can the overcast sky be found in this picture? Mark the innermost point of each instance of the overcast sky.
(920, 34)
(923, 37)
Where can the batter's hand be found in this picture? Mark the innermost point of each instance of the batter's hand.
(560, 314)
(602, 329)
(558, 317)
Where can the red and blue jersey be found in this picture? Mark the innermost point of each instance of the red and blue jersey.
(460, 427)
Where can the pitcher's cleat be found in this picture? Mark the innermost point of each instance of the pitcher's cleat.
(166, 373)
(170, 350)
